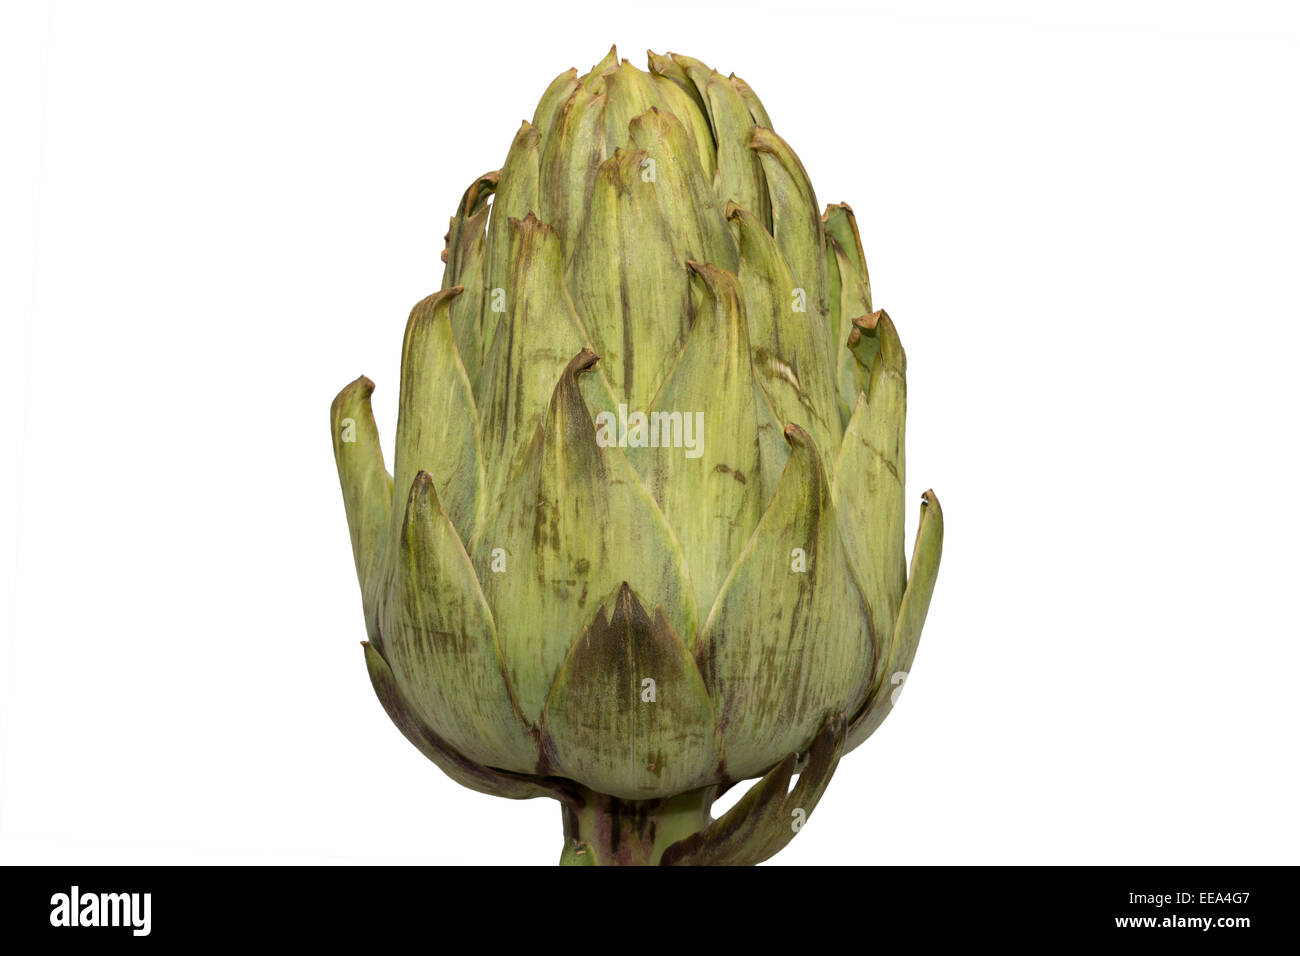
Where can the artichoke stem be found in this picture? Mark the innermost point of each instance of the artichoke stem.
(607, 831)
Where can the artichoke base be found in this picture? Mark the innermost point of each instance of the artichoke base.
(608, 831)
(600, 830)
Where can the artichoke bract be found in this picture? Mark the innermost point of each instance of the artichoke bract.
(644, 533)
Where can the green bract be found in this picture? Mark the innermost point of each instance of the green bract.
(644, 533)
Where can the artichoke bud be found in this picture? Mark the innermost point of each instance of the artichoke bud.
(643, 537)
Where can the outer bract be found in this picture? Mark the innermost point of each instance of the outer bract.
(643, 537)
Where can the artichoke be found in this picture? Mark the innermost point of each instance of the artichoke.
(644, 534)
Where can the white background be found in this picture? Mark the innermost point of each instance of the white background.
(1083, 218)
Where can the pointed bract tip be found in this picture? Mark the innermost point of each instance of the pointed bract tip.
(794, 435)
(628, 608)
(359, 385)
(863, 325)
(431, 302)
(584, 361)
(737, 213)
(627, 155)
(422, 494)
(719, 281)
(761, 138)
(529, 226)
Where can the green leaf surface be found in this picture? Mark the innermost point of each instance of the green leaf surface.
(850, 300)
(467, 225)
(911, 619)
(788, 641)
(751, 101)
(464, 771)
(594, 79)
(628, 715)
(553, 100)
(797, 226)
(428, 438)
(367, 490)
(541, 334)
(842, 226)
(629, 285)
(572, 151)
(789, 360)
(574, 522)
(711, 494)
(517, 195)
(869, 482)
(740, 175)
(690, 207)
(466, 308)
(667, 69)
(441, 643)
